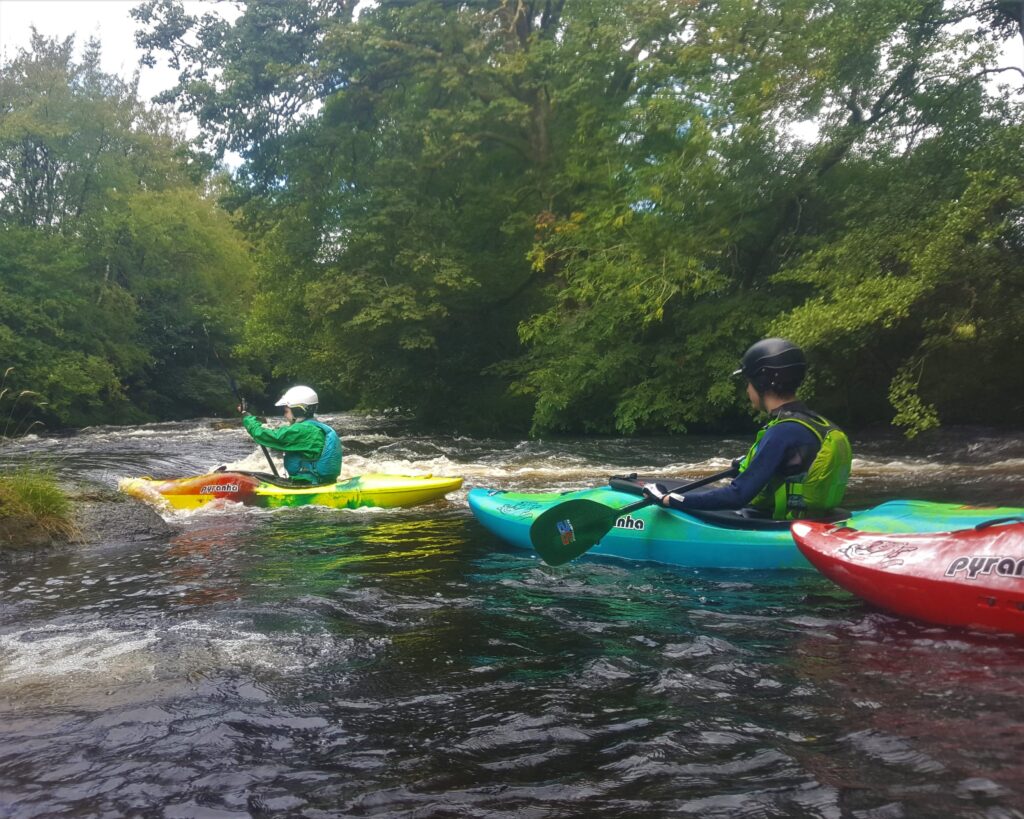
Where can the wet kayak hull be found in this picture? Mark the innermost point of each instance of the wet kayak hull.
(972, 578)
(669, 536)
(254, 489)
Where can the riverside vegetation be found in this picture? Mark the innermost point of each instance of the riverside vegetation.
(561, 215)
(39, 507)
(34, 509)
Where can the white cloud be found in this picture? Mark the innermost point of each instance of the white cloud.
(108, 21)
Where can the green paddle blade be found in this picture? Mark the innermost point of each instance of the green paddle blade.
(567, 530)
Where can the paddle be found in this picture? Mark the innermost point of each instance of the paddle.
(567, 530)
(238, 397)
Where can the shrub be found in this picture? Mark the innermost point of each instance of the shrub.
(35, 494)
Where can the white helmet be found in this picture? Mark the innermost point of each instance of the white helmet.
(298, 397)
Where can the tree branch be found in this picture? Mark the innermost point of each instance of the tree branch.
(985, 72)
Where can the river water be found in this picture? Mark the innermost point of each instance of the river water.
(333, 663)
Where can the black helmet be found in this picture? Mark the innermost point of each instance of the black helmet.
(773, 363)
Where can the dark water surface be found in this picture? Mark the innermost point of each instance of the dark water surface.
(402, 663)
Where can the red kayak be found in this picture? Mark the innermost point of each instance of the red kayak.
(972, 578)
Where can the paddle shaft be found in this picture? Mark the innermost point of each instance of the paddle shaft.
(238, 397)
(568, 529)
(640, 504)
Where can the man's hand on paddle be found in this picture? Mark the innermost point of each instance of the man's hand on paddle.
(655, 492)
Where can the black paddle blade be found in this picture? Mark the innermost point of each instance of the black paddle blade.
(567, 530)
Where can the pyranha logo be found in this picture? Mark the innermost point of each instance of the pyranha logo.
(218, 487)
(630, 522)
(986, 564)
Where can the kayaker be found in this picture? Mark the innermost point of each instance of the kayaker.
(312, 450)
(800, 462)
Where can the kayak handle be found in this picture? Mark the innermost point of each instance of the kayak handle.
(998, 521)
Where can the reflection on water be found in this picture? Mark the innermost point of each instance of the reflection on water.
(402, 663)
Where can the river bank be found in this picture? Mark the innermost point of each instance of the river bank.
(80, 514)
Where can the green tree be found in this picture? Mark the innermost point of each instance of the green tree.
(717, 224)
(600, 204)
(112, 253)
(394, 222)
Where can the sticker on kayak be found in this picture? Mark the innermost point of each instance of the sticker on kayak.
(209, 489)
(566, 531)
(986, 564)
(883, 553)
(519, 509)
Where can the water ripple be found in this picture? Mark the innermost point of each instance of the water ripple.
(401, 663)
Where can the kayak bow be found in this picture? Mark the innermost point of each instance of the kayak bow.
(973, 578)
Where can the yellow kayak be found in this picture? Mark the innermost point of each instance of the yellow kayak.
(258, 489)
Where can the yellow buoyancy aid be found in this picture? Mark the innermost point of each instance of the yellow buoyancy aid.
(819, 488)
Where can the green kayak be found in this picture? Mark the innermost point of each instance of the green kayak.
(708, 539)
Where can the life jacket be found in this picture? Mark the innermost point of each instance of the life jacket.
(811, 489)
(326, 467)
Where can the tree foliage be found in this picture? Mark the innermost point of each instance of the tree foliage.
(578, 213)
(112, 253)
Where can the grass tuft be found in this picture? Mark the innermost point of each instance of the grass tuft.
(35, 494)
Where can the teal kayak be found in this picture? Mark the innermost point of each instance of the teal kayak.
(709, 539)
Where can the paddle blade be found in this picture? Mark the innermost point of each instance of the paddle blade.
(567, 530)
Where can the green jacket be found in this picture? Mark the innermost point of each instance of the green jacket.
(306, 440)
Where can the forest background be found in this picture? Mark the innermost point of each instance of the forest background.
(505, 215)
